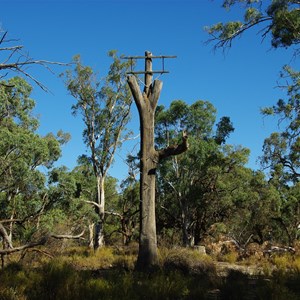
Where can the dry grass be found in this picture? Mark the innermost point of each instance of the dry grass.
(80, 273)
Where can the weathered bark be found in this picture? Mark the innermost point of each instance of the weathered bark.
(99, 228)
(91, 235)
(6, 238)
(146, 104)
(175, 149)
(69, 236)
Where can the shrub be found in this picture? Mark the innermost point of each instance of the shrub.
(282, 262)
(230, 257)
(187, 261)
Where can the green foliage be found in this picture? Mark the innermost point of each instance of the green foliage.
(281, 19)
(281, 150)
(209, 184)
(285, 23)
(16, 105)
(72, 193)
(124, 212)
(23, 153)
(252, 15)
(104, 106)
(228, 30)
(196, 188)
(224, 129)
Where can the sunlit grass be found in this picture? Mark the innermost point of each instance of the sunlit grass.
(81, 273)
(230, 257)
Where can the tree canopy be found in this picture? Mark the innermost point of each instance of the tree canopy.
(279, 19)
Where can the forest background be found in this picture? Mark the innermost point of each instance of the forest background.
(198, 193)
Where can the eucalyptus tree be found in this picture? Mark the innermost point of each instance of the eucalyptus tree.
(279, 19)
(23, 152)
(187, 183)
(287, 219)
(281, 150)
(281, 154)
(71, 193)
(176, 174)
(104, 106)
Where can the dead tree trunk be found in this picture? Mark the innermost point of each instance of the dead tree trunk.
(146, 103)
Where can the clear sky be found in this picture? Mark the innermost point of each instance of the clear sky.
(238, 83)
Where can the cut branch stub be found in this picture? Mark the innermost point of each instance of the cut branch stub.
(175, 149)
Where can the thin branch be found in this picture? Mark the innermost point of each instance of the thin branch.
(226, 42)
(44, 63)
(22, 60)
(130, 138)
(3, 37)
(11, 48)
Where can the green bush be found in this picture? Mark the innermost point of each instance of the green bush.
(187, 261)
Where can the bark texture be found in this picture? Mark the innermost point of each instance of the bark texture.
(146, 103)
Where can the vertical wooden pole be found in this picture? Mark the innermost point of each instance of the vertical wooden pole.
(148, 74)
(146, 103)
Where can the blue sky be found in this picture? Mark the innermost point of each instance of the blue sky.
(237, 83)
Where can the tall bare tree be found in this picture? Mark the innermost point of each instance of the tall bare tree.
(146, 103)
